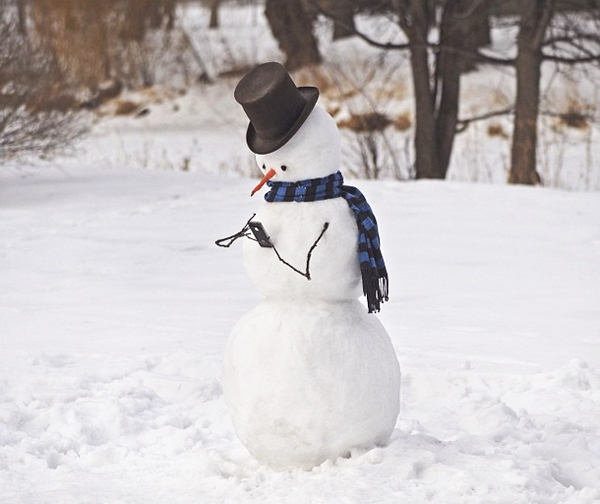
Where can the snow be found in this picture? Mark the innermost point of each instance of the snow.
(296, 228)
(320, 159)
(116, 306)
(310, 380)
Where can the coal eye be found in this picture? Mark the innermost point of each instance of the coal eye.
(283, 167)
(264, 167)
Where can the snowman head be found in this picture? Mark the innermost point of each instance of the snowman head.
(313, 152)
(293, 139)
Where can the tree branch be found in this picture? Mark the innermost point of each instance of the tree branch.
(462, 124)
(352, 29)
(568, 115)
(571, 61)
(542, 24)
(479, 56)
(380, 45)
(587, 37)
(469, 12)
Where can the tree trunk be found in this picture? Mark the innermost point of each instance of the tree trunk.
(524, 142)
(448, 71)
(476, 29)
(343, 22)
(293, 30)
(426, 163)
(534, 18)
(22, 13)
(170, 13)
(214, 14)
(416, 27)
(462, 29)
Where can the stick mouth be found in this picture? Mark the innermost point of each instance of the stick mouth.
(267, 176)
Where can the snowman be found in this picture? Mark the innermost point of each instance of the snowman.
(309, 374)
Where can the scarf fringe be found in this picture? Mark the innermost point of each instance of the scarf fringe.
(375, 288)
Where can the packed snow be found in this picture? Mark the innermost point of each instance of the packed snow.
(116, 306)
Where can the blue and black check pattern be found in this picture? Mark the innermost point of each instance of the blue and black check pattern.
(372, 266)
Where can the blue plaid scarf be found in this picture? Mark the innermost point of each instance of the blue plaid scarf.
(372, 267)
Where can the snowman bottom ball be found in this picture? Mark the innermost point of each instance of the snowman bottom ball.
(308, 381)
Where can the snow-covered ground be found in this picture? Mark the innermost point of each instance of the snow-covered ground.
(115, 306)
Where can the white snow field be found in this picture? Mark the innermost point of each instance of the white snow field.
(115, 306)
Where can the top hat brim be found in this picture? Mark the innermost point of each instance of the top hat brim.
(260, 145)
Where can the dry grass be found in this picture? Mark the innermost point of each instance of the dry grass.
(235, 72)
(392, 89)
(125, 107)
(316, 75)
(44, 103)
(575, 120)
(333, 110)
(371, 121)
(576, 117)
(496, 130)
(403, 122)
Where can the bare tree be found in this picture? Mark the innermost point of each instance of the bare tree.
(463, 30)
(343, 17)
(564, 33)
(94, 42)
(22, 15)
(462, 26)
(34, 117)
(292, 27)
(534, 19)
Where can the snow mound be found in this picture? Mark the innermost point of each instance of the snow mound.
(155, 429)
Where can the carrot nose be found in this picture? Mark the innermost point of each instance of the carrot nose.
(270, 174)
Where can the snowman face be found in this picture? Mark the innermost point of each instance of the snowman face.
(313, 152)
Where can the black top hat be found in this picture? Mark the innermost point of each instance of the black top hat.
(275, 106)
